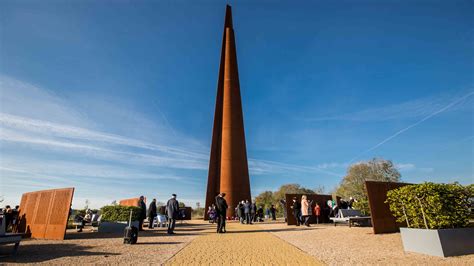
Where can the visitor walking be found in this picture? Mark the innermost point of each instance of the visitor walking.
(142, 216)
(221, 209)
(151, 214)
(296, 210)
(304, 210)
(172, 211)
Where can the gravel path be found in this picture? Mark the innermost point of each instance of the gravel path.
(342, 245)
(241, 245)
(153, 247)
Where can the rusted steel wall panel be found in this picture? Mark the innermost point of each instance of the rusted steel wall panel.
(382, 219)
(44, 214)
(316, 198)
(130, 202)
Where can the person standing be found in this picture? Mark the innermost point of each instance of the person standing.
(305, 210)
(247, 212)
(317, 212)
(221, 208)
(296, 211)
(172, 211)
(253, 211)
(141, 204)
(273, 212)
(151, 213)
(240, 211)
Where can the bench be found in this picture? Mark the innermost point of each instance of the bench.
(8, 238)
(95, 221)
(350, 216)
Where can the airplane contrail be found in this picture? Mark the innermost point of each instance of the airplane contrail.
(414, 124)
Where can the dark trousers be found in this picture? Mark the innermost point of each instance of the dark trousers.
(171, 224)
(221, 223)
(253, 217)
(305, 219)
(296, 214)
(140, 224)
(273, 216)
(151, 219)
(247, 218)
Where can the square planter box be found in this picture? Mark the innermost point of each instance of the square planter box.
(114, 227)
(439, 242)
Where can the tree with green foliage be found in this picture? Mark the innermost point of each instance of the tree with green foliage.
(353, 184)
(265, 199)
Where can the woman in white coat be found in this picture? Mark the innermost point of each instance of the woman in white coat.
(304, 210)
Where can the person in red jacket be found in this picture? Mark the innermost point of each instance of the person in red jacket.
(317, 212)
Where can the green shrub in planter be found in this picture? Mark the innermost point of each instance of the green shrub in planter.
(430, 205)
(362, 205)
(113, 213)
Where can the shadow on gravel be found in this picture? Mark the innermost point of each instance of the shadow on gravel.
(44, 252)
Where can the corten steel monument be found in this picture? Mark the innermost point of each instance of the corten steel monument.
(228, 168)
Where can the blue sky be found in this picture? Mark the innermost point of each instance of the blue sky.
(116, 98)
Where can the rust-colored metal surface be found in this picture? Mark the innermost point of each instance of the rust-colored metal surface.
(316, 198)
(130, 202)
(382, 219)
(228, 166)
(44, 214)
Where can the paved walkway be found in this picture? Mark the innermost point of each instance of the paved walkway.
(241, 245)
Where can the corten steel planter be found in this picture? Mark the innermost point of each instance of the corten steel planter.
(114, 227)
(438, 242)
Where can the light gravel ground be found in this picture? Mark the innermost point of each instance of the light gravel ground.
(154, 247)
(342, 245)
(263, 244)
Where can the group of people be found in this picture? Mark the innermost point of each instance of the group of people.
(303, 210)
(171, 212)
(11, 217)
(248, 212)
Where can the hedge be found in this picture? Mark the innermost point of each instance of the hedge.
(430, 205)
(115, 213)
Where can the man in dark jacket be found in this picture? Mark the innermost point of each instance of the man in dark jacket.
(247, 212)
(253, 211)
(141, 204)
(221, 208)
(172, 211)
(296, 210)
(273, 212)
(151, 213)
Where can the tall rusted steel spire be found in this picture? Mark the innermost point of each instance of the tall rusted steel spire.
(228, 167)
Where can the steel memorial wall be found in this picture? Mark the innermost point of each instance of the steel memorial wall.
(382, 219)
(44, 214)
